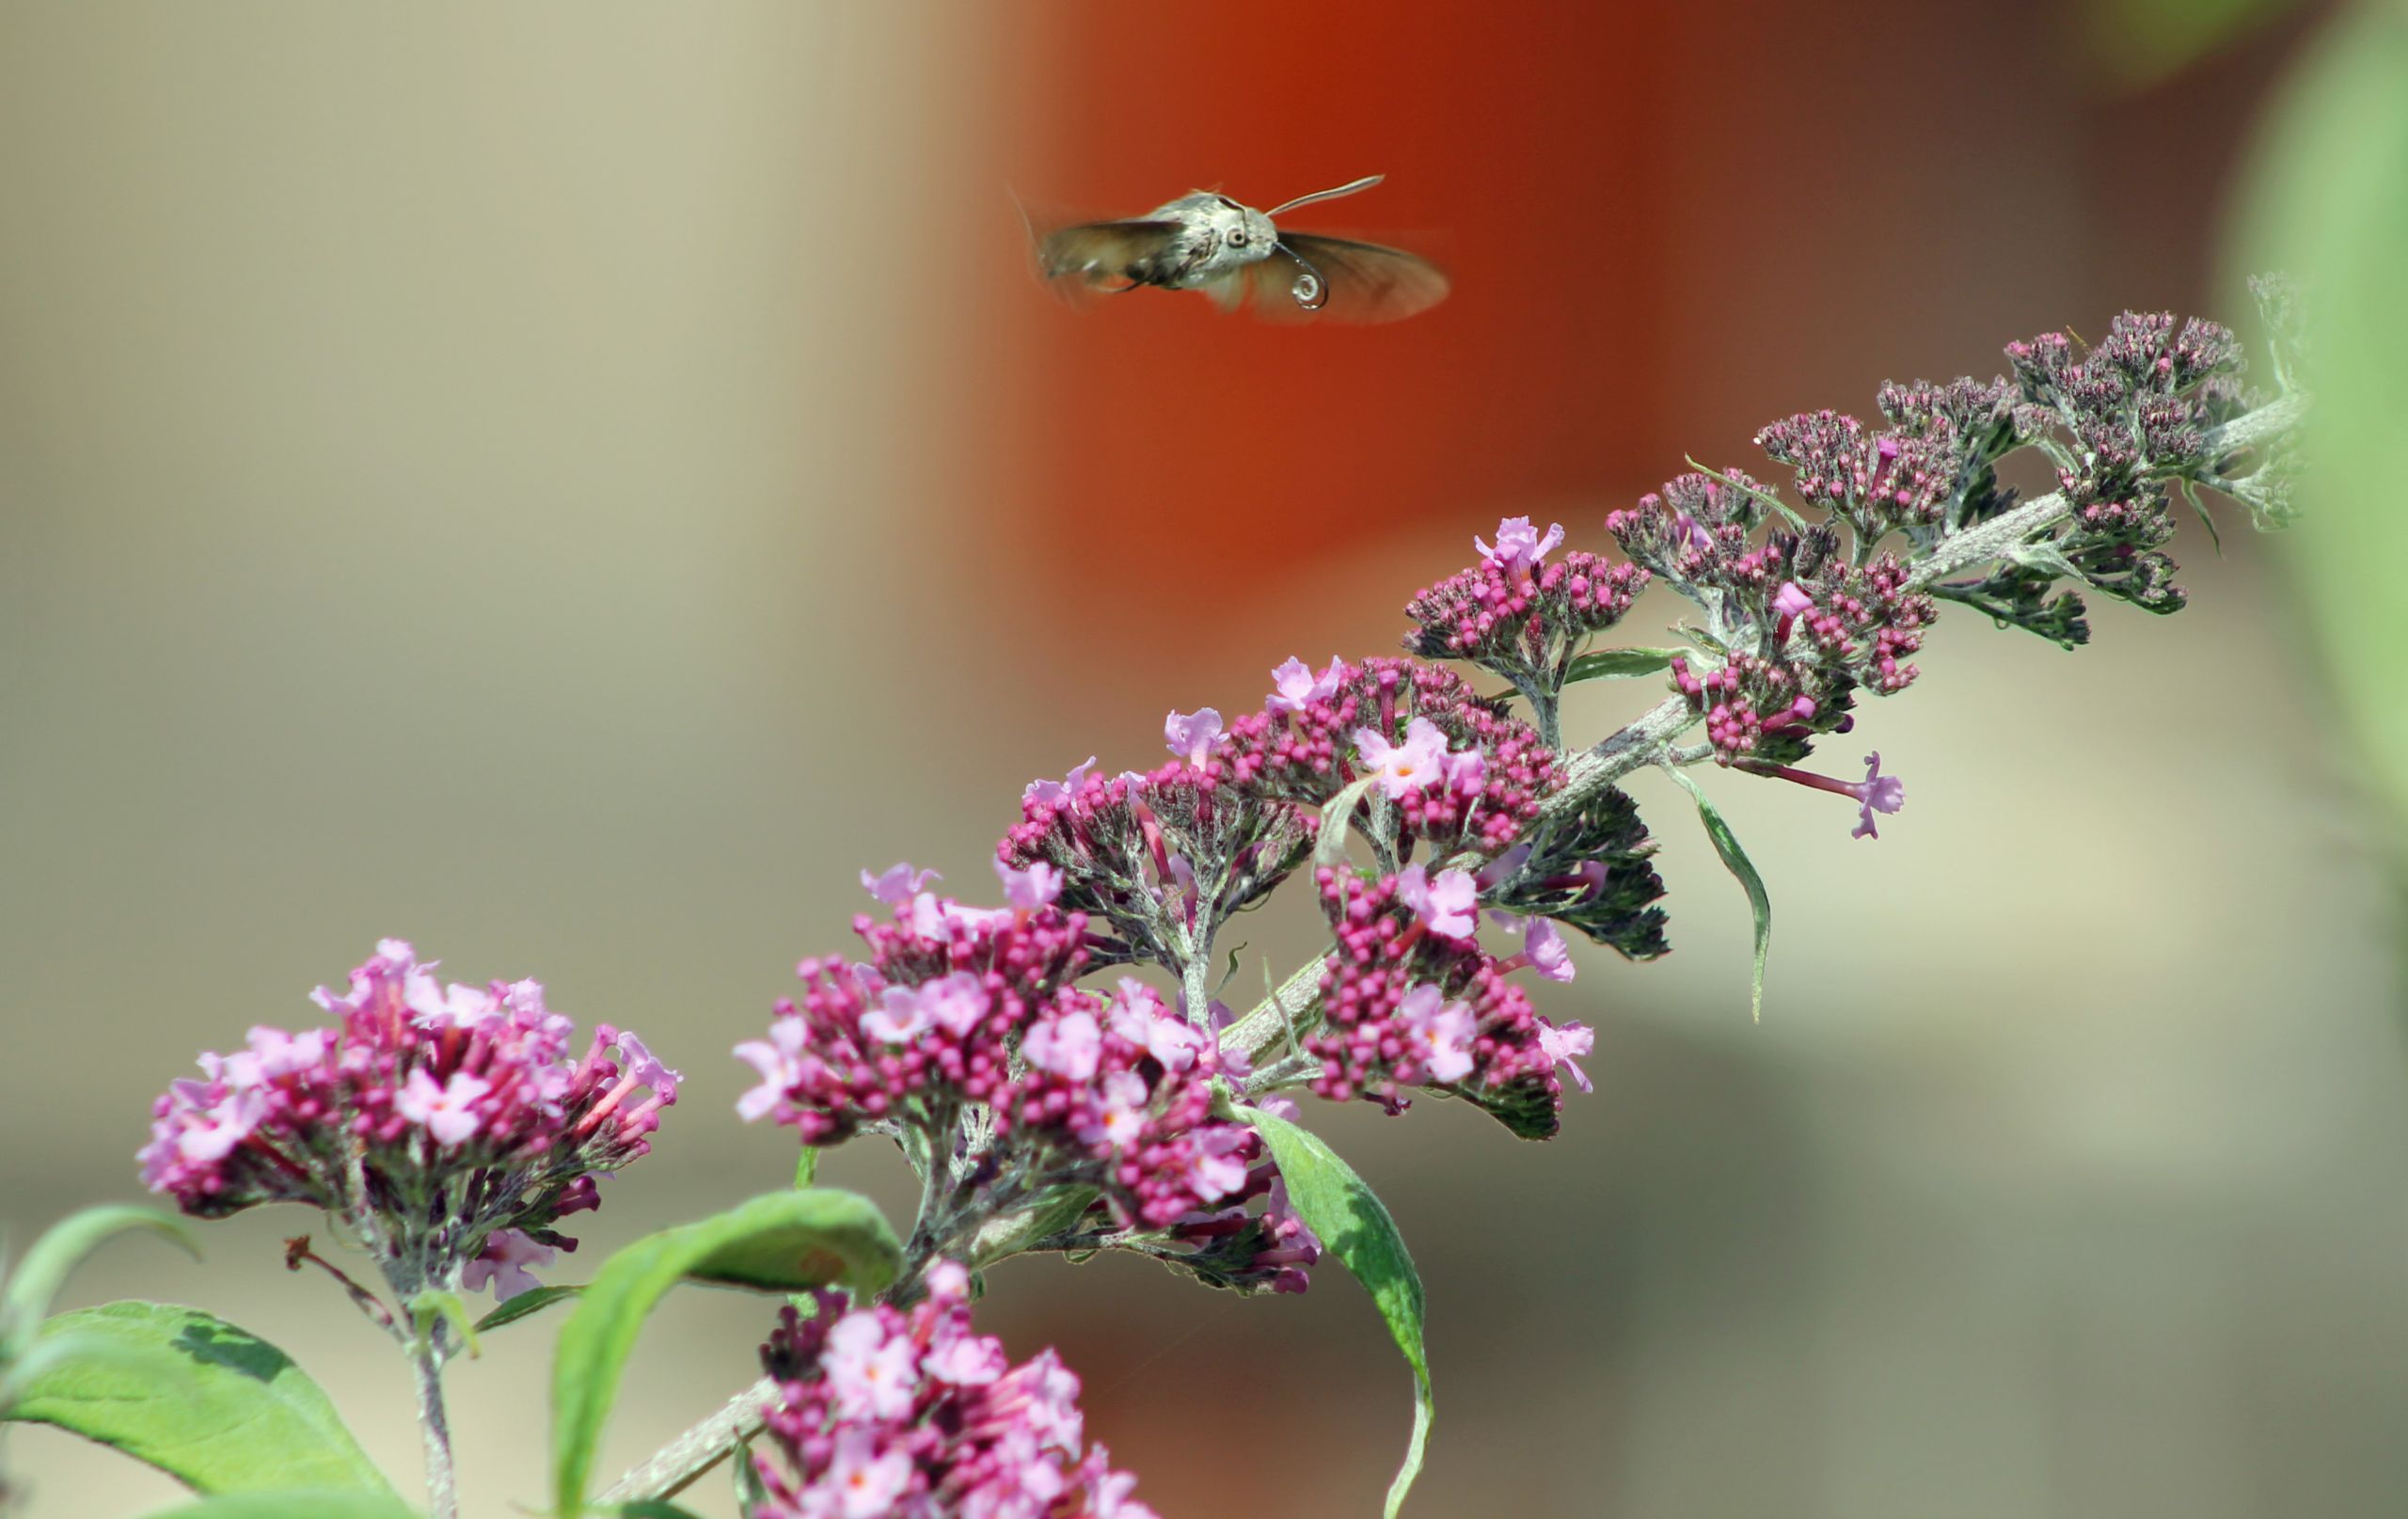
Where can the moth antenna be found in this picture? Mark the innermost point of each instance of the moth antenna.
(1364, 183)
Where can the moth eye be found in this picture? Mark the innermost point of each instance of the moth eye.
(1237, 237)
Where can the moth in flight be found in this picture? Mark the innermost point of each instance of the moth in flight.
(1238, 254)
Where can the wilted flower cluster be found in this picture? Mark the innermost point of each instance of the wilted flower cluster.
(451, 1124)
(890, 1414)
(960, 1006)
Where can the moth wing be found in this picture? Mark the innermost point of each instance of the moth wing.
(1231, 290)
(1107, 254)
(1358, 281)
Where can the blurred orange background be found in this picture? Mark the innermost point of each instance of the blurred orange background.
(571, 484)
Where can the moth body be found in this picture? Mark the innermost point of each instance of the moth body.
(1233, 253)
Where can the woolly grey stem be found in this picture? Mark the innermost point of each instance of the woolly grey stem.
(1992, 539)
(674, 1466)
(1619, 754)
(443, 1486)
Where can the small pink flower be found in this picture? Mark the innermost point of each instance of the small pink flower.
(227, 1125)
(1030, 889)
(1137, 1016)
(1875, 793)
(949, 1282)
(1296, 688)
(1054, 793)
(1505, 866)
(958, 1002)
(1466, 771)
(868, 1370)
(1792, 602)
(898, 884)
(504, 1262)
(1069, 1045)
(1550, 956)
(1189, 734)
(1441, 1032)
(640, 1066)
(1449, 906)
(1123, 1122)
(866, 1484)
(1217, 1170)
(1563, 1044)
(779, 1059)
(898, 1018)
(1543, 946)
(1416, 765)
(1519, 548)
(1054, 1408)
(445, 1112)
(970, 1361)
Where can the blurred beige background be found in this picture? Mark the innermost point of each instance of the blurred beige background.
(571, 484)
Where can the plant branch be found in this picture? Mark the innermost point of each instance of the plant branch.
(1992, 539)
(675, 1466)
(442, 1484)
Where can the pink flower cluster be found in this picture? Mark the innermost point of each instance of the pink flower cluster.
(1694, 529)
(1519, 615)
(1461, 774)
(1877, 479)
(1746, 702)
(1866, 622)
(467, 1094)
(1409, 998)
(1141, 852)
(888, 1414)
(962, 1005)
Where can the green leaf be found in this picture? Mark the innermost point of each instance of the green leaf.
(214, 1407)
(309, 1503)
(2045, 555)
(1355, 1226)
(750, 1492)
(806, 1167)
(1735, 859)
(38, 1277)
(2327, 202)
(1009, 1233)
(1755, 493)
(2139, 44)
(1620, 664)
(1330, 848)
(655, 1509)
(434, 1307)
(785, 1241)
(527, 1305)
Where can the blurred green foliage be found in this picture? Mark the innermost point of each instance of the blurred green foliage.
(2326, 201)
(2141, 43)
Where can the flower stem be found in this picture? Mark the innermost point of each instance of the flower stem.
(675, 1466)
(1994, 538)
(442, 1487)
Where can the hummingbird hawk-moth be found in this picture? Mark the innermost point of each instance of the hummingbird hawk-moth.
(1236, 254)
